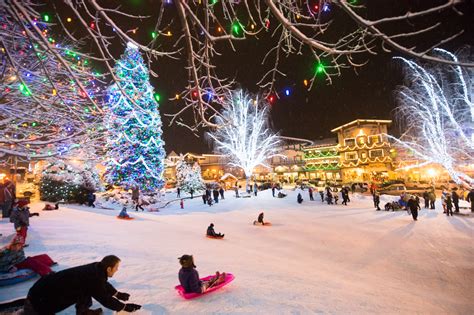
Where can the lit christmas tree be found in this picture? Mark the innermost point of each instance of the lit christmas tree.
(188, 178)
(135, 153)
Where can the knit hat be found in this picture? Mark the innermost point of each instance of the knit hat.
(187, 261)
(22, 203)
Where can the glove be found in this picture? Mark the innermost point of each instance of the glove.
(122, 296)
(132, 307)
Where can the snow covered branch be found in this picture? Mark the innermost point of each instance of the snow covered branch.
(437, 109)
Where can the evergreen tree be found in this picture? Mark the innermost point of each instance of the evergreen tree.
(135, 153)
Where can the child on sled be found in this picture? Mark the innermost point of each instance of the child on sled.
(189, 277)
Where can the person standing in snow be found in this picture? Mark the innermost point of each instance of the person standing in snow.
(178, 192)
(9, 194)
(426, 198)
(432, 197)
(221, 192)
(20, 217)
(204, 198)
(255, 188)
(321, 194)
(377, 200)
(455, 197)
(191, 192)
(470, 198)
(273, 190)
(215, 194)
(310, 192)
(449, 206)
(78, 285)
(413, 207)
(91, 199)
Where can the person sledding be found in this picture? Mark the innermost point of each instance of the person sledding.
(123, 214)
(49, 207)
(260, 220)
(12, 258)
(189, 277)
(212, 233)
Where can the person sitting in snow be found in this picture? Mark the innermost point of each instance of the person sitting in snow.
(12, 258)
(49, 207)
(20, 217)
(281, 195)
(123, 214)
(189, 277)
(260, 219)
(211, 232)
(299, 198)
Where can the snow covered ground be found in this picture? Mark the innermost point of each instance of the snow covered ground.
(314, 259)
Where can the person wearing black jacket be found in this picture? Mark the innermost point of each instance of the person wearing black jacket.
(455, 197)
(78, 285)
(413, 206)
(426, 197)
(470, 198)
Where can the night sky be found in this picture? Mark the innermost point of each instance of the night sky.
(365, 92)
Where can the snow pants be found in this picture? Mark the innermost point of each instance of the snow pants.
(40, 264)
(427, 203)
(432, 204)
(23, 231)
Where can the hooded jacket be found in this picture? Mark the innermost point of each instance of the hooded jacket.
(189, 280)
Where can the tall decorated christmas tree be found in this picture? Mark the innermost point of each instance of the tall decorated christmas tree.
(135, 153)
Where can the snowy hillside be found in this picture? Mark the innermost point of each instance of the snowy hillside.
(315, 258)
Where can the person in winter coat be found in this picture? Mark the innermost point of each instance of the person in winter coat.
(178, 192)
(221, 192)
(20, 217)
(444, 194)
(273, 190)
(211, 232)
(432, 198)
(413, 207)
(123, 214)
(299, 198)
(78, 285)
(310, 192)
(260, 218)
(91, 199)
(9, 195)
(189, 277)
(215, 194)
(321, 194)
(255, 189)
(377, 200)
(449, 206)
(209, 200)
(470, 198)
(426, 197)
(204, 198)
(12, 258)
(455, 197)
(329, 198)
(191, 192)
(2, 200)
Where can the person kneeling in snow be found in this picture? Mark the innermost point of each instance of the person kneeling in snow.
(189, 277)
(211, 232)
(123, 214)
(12, 258)
(78, 286)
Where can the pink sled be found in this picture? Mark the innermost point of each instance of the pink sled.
(188, 296)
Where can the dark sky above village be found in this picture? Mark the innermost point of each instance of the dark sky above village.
(366, 92)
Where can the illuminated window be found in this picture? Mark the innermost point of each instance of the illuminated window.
(374, 139)
(361, 140)
(349, 142)
(376, 153)
(351, 155)
(363, 155)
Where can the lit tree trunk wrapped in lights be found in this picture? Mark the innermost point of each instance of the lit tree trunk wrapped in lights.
(135, 153)
(245, 136)
(438, 110)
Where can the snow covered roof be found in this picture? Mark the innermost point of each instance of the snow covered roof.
(361, 121)
(227, 175)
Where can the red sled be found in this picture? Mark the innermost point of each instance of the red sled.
(265, 224)
(188, 296)
(215, 237)
(125, 218)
